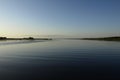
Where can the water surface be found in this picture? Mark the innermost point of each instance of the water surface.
(59, 60)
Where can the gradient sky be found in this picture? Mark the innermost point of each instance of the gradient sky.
(76, 18)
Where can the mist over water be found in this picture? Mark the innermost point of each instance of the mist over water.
(59, 60)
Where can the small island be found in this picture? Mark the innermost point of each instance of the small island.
(29, 38)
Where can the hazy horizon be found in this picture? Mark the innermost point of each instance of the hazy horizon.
(59, 18)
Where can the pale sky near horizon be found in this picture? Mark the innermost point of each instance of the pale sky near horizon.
(75, 18)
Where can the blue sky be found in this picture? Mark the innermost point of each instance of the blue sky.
(75, 18)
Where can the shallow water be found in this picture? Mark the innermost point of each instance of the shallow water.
(59, 60)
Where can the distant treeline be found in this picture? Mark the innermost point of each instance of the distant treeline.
(3, 38)
(29, 38)
(116, 38)
(104, 38)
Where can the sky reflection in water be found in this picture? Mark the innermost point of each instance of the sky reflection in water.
(60, 59)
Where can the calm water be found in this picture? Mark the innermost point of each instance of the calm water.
(59, 60)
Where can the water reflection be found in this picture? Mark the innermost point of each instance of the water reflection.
(58, 60)
(11, 42)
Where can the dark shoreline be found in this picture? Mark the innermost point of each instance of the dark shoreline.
(103, 39)
(31, 38)
(26, 39)
(100, 39)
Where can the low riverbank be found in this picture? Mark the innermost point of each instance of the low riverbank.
(100, 39)
(103, 39)
(30, 38)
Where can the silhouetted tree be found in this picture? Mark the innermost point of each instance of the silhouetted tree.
(3, 38)
(31, 38)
